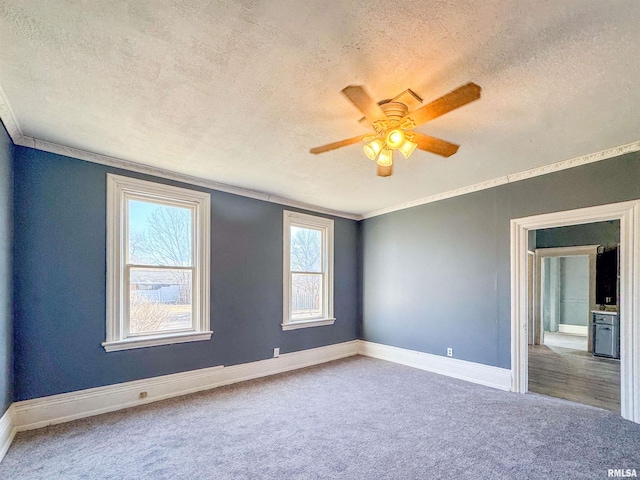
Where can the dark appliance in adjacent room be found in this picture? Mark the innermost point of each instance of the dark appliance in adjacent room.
(607, 275)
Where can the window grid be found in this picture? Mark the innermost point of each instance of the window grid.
(294, 221)
(120, 192)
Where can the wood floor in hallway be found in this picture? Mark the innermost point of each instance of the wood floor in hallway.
(575, 375)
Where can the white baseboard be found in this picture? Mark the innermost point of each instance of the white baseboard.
(7, 431)
(573, 329)
(40, 412)
(495, 377)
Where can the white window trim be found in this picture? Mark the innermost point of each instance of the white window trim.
(118, 188)
(326, 226)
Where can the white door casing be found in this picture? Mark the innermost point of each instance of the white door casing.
(629, 215)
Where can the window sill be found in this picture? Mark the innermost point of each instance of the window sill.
(308, 323)
(168, 339)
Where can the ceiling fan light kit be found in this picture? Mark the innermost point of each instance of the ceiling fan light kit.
(385, 158)
(407, 148)
(393, 124)
(371, 150)
(395, 138)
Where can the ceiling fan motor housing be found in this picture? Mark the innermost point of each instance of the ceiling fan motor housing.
(394, 111)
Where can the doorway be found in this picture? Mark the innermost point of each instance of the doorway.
(562, 360)
(629, 215)
(566, 280)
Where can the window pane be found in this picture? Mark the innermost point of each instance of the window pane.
(306, 249)
(306, 296)
(159, 300)
(159, 234)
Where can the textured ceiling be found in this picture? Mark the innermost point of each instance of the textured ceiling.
(237, 92)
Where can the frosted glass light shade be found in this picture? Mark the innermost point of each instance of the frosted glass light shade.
(407, 148)
(395, 138)
(385, 159)
(371, 150)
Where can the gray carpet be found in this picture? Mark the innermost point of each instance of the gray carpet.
(357, 418)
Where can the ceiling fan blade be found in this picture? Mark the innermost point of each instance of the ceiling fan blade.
(434, 145)
(359, 97)
(452, 100)
(385, 171)
(334, 145)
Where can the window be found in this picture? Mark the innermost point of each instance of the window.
(308, 271)
(157, 264)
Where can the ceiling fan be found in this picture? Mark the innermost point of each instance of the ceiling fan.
(393, 124)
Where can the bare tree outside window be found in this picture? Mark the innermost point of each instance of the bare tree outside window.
(166, 237)
(306, 261)
(160, 235)
(166, 240)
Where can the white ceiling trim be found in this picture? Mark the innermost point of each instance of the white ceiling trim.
(9, 119)
(514, 177)
(178, 177)
(13, 128)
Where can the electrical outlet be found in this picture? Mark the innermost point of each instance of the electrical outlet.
(276, 352)
(449, 352)
(143, 395)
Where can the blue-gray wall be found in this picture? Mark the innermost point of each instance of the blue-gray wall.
(426, 278)
(437, 275)
(6, 277)
(60, 285)
(598, 233)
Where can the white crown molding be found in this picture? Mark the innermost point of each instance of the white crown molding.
(513, 177)
(576, 162)
(178, 177)
(487, 375)
(438, 196)
(7, 431)
(26, 141)
(15, 132)
(9, 120)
